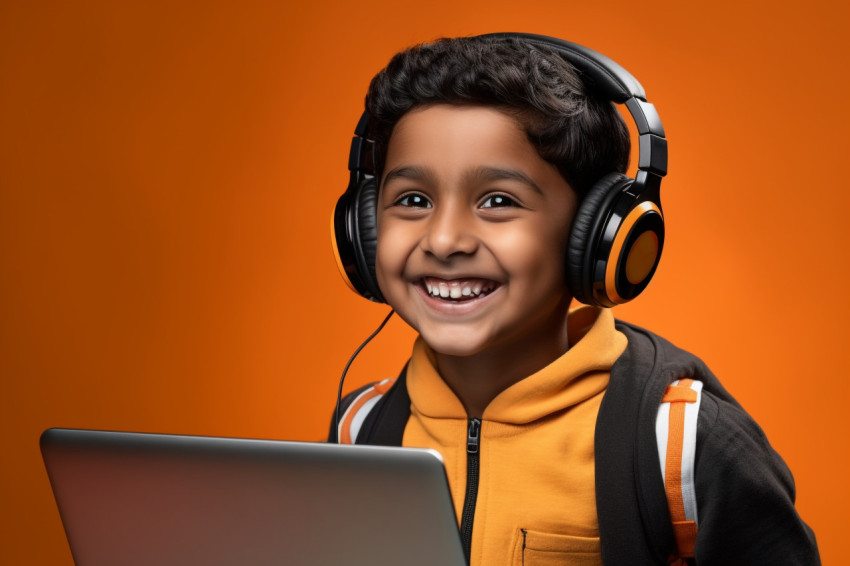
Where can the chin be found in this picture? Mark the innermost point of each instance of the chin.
(454, 344)
(454, 350)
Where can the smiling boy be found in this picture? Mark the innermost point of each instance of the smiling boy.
(484, 151)
(472, 231)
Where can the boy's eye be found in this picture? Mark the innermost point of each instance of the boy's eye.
(414, 201)
(497, 201)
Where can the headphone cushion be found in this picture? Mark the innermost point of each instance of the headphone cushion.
(367, 233)
(591, 213)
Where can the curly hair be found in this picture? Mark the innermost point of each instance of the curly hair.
(582, 135)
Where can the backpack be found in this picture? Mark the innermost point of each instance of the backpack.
(675, 431)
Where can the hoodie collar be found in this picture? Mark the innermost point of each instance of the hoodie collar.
(577, 375)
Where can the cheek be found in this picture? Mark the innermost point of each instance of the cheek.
(382, 266)
(536, 255)
(390, 258)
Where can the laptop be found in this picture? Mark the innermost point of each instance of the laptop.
(160, 500)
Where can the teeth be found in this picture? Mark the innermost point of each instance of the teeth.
(458, 289)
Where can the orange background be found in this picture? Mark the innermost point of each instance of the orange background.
(168, 171)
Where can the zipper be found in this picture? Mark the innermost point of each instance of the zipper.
(473, 447)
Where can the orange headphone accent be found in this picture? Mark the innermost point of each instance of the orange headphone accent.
(636, 261)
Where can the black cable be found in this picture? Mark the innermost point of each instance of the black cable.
(345, 371)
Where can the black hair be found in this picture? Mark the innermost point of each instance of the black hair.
(582, 135)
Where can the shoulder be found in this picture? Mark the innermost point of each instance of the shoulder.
(342, 408)
(658, 359)
(744, 491)
(651, 362)
(356, 407)
(375, 413)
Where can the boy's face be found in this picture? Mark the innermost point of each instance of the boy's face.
(472, 232)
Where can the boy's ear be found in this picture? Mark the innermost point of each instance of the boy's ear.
(615, 242)
(355, 236)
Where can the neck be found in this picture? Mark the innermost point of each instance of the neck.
(477, 379)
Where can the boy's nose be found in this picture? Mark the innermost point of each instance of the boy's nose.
(450, 232)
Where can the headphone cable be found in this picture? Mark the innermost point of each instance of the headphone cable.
(345, 371)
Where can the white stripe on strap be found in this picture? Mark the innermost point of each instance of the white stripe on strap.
(689, 452)
(360, 417)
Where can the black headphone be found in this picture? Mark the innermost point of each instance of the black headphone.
(617, 235)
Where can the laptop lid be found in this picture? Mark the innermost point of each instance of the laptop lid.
(152, 499)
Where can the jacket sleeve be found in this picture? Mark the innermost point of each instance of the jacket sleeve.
(745, 495)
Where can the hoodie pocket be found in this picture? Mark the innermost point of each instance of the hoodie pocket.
(535, 548)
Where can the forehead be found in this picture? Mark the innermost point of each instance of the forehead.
(448, 141)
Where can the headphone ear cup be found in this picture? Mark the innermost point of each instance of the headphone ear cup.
(615, 243)
(367, 234)
(590, 218)
(355, 237)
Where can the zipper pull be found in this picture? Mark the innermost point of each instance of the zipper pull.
(473, 436)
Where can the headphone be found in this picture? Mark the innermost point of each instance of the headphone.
(617, 234)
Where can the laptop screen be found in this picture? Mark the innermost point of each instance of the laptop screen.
(150, 499)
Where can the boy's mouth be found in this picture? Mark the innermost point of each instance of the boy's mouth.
(458, 289)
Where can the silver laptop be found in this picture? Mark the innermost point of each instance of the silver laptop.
(150, 499)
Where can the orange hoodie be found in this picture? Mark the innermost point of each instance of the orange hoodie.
(535, 502)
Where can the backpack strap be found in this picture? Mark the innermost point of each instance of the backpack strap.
(355, 415)
(676, 435)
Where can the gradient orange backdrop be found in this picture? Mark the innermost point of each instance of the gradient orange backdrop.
(167, 171)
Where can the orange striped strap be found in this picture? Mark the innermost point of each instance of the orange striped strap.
(358, 410)
(676, 434)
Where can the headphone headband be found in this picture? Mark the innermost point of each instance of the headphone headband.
(613, 82)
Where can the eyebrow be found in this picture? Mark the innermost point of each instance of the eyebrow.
(408, 172)
(497, 174)
(477, 174)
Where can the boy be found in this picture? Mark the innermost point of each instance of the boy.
(488, 157)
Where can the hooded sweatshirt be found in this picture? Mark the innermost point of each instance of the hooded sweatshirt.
(517, 507)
